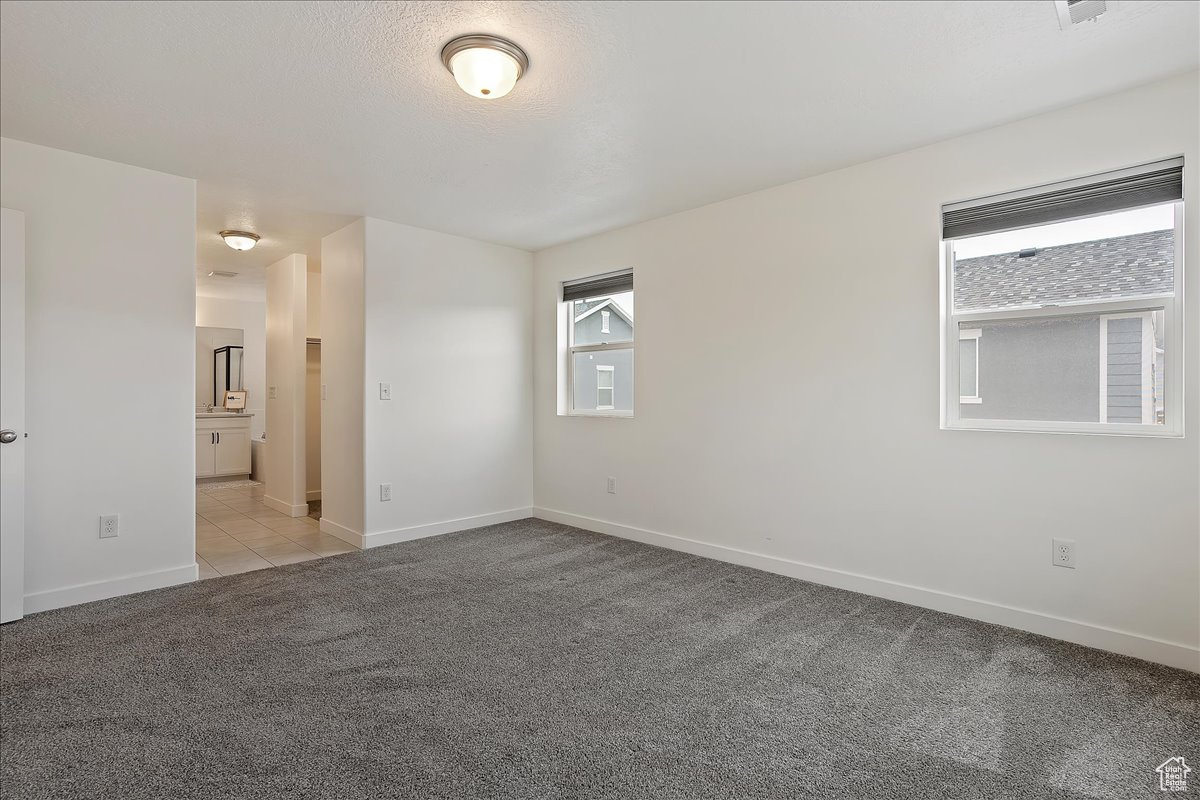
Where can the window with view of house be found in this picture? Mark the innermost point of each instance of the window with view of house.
(1061, 307)
(599, 363)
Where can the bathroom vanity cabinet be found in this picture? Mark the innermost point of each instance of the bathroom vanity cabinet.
(222, 444)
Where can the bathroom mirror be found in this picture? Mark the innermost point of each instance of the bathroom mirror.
(218, 364)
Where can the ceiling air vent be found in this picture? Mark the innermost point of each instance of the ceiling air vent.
(1073, 12)
(220, 273)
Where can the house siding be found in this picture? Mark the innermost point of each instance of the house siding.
(585, 378)
(1051, 370)
(1127, 387)
(1038, 370)
(587, 331)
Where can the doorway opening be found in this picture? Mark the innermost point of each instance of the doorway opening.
(258, 419)
(312, 426)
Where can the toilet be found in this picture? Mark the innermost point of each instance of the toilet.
(258, 458)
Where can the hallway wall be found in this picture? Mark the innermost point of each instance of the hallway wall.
(287, 288)
(342, 299)
(312, 423)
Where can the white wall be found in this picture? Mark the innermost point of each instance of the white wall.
(287, 289)
(312, 421)
(342, 299)
(251, 318)
(448, 324)
(312, 323)
(110, 373)
(312, 410)
(804, 426)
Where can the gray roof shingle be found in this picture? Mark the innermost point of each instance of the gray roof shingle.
(1105, 269)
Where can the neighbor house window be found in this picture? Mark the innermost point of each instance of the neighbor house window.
(1062, 306)
(968, 365)
(599, 364)
(604, 388)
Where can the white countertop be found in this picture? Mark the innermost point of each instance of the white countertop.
(219, 414)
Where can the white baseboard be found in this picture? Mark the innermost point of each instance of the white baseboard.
(285, 508)
(382, 538)
(310, 496)
(347, 535)
(1130, 644)
(221, 478)
(114, 587)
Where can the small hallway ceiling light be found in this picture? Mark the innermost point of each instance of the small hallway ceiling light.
(240, 240)
(485, 66)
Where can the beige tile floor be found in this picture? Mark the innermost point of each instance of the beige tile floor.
(236, 532)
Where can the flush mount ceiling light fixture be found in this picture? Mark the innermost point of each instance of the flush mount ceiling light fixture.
(485, 66)
(240, 240)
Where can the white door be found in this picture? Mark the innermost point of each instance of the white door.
(12, 414)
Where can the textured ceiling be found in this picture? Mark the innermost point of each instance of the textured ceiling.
(296, 117)
(284, 230)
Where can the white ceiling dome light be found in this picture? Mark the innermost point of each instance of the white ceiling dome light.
(240, 240)
(485, 66)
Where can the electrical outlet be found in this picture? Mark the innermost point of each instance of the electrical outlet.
(612, 485)
(385, 391)
(324, 391)
(385, 492)
(272, 393)
(110, 526)
(1064, 553)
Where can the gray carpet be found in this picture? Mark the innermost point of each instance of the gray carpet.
(532, 660)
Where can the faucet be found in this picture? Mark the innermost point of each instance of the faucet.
(209, 409)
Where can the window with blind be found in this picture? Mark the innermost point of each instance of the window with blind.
(599, 314)
(1063, 304)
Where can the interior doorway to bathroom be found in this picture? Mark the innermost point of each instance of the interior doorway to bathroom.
(262, 329)
(312, 426)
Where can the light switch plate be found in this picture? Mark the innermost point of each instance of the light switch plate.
(272, 393)
(385, 391)
(324, 391)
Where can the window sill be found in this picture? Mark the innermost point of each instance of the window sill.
(601, 414)
(970, 400)
(1076, 428)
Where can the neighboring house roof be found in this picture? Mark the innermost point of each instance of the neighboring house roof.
(609, 304)
(1123, 266)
